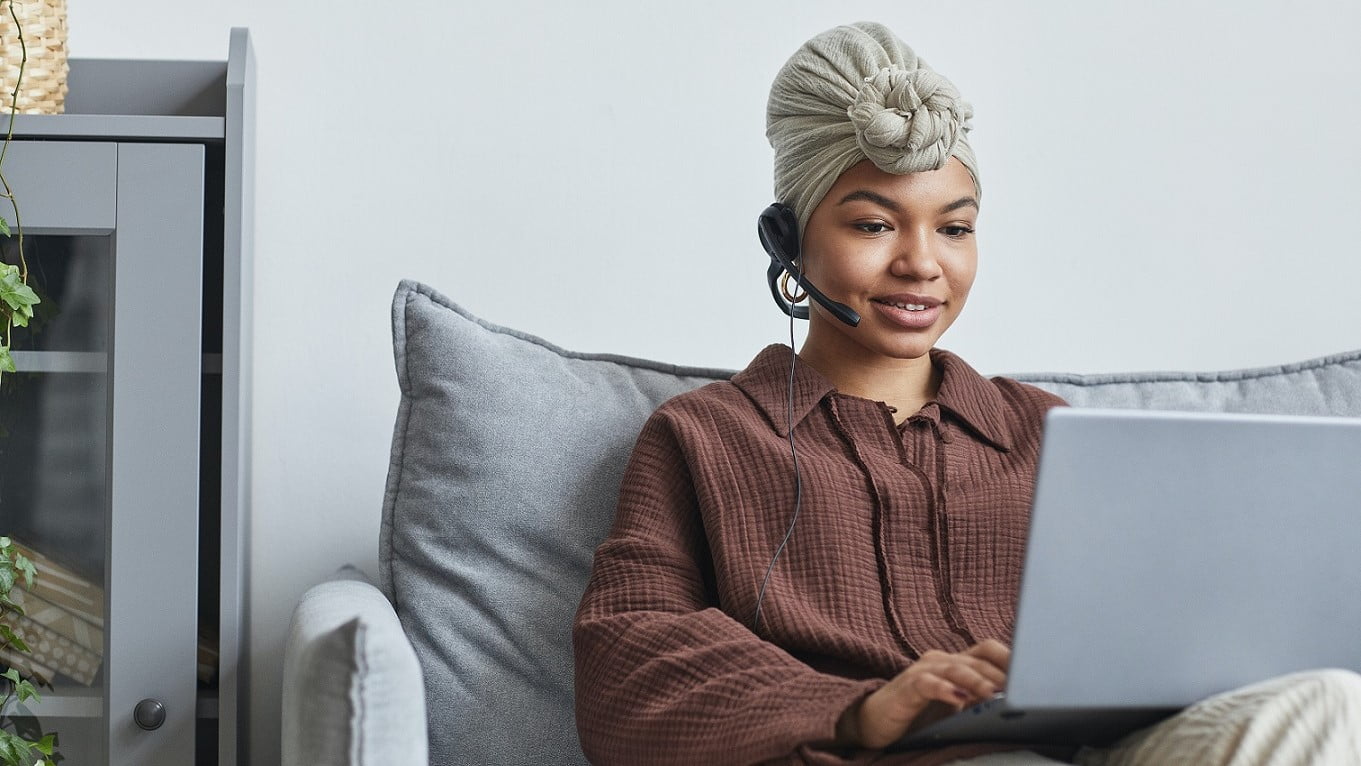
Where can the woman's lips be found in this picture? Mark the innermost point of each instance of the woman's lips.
(911, 312)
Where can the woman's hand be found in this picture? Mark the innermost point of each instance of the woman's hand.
(953, 680)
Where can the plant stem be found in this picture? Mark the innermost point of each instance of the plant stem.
(9, 137)
(10, 689)
(23, 61)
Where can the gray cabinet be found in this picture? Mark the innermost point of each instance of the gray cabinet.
(124, 449)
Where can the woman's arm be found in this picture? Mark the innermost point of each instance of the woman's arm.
(662, 674)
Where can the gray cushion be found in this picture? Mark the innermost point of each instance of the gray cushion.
(353, 692)
(1327, 386)
(506, 463)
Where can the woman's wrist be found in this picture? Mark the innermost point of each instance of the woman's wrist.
(848, 725)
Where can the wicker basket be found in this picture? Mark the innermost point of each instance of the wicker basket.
(43, 90)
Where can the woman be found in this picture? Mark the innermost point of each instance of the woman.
(823, 553)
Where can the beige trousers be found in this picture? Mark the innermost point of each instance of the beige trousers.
(1303, 719)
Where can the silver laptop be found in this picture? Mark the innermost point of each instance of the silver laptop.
(1173, 556)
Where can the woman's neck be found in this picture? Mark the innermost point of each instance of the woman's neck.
(905, 385)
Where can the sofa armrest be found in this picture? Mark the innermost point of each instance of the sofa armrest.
(353, 693)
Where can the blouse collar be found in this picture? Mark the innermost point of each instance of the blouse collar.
(965, 394)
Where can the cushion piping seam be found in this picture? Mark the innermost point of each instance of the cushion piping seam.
(358, 694)
(1227, 376)
(398, 457)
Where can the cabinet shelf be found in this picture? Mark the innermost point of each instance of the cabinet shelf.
(61, 361)
(86, 361)
(63, 704)
(122, 127)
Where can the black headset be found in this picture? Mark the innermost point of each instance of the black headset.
(778, 228)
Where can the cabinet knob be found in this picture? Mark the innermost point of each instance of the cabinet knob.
(149, 714)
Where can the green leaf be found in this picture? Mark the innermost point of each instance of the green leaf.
(11, 604)
(22, 563)
(5, 542)
(6, 361)
(4, 226)
(6, 579)
(14, 750)
(46, 744)
(13, 639)
(26, 691)
(18, 296)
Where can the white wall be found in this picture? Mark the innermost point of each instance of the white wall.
(1166, 185)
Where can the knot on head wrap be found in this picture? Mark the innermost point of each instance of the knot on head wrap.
(858, 92)
(908, 120)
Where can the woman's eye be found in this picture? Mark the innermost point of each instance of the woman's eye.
(872, 227)
(957, 231)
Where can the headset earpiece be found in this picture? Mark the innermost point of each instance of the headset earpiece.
(781, 226)
(778, 228)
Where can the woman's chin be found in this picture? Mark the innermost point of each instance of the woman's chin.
(902, 350)
(907, 345)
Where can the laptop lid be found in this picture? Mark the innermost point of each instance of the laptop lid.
(1173, 556)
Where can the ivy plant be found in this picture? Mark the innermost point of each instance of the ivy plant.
(16, 748)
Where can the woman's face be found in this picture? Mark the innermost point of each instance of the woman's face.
(900, 251)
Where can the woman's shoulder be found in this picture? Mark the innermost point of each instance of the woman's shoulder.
(968, 387)
(719, 399)
(1028, 398)
(701, 421)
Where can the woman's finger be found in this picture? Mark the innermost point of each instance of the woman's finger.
(994, 651)
(989, 670)
(983, 667)
(970, 678)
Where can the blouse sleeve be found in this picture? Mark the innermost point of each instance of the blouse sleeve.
(665, 676)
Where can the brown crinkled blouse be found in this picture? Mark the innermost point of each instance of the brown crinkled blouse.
(910, 538)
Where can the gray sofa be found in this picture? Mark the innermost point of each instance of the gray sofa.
(506, 457)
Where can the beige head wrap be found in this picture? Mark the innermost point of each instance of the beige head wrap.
(857, 92)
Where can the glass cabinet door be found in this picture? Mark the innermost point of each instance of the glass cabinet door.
(99, 443)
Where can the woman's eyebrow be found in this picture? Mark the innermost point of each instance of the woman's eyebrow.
(870, 196)
(885, 202)
(959, 203)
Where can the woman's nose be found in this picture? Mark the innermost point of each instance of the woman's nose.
(915, 257)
